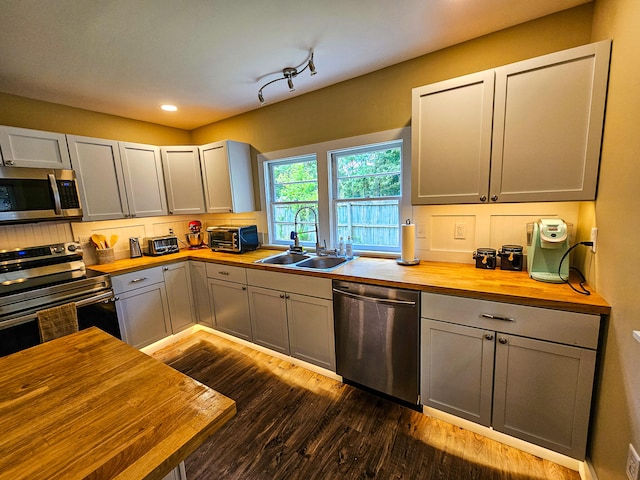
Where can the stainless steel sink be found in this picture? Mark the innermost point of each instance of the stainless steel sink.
(321, 262)
(302, 260)
(284, 259)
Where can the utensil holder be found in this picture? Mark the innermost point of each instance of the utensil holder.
(105, 255)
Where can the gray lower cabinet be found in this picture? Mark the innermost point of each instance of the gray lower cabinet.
(269, 318)
(177, 279)
(227, 291)
(142, 306)
(178, 473)
(526, 371)
(200, 291)
(293, 315)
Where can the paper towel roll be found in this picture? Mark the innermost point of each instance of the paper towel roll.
(408, 242)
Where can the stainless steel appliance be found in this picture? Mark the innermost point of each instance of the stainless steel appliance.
(37, 278)
(162, 245)
(134, 248)
(231, 238)
(30, 194)
(377, 338)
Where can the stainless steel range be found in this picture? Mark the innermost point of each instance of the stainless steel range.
(37, 278)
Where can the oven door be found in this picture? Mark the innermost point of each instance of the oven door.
(22, 332)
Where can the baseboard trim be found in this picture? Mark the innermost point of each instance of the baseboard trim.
(281, 356)
(587, 471)
(527, 447)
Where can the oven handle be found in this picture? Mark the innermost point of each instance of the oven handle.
(103, 297)
(56, 194)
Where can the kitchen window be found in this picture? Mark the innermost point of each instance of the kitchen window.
(359, 187)
(366, 192)
(293, 184)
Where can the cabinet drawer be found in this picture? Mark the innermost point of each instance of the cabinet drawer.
(226, 272)
(571, 328)
(137, 279)
(302, 284)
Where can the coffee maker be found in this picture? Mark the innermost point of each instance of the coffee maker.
(547, 242)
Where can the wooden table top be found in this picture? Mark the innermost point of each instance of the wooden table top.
(459, 279)
(89, 406)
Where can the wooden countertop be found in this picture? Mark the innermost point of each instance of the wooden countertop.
(89, 406)
(439, 277)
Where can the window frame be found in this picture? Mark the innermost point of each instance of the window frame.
(322, 151)
(333, 185)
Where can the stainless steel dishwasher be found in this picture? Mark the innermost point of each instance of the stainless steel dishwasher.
(377, 338)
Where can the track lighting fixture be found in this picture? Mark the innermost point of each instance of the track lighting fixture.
(289, 74)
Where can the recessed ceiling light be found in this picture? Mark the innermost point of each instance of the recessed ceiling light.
(169, 108)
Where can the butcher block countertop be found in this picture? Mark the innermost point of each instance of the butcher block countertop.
(89, 406)
(437, 277)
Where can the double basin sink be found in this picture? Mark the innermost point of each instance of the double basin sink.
(305, 260)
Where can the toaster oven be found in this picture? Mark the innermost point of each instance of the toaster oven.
(232, 238)
(163, 245)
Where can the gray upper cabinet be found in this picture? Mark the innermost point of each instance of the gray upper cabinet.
(183, 180)
(526, 132)
(22, 147)
(143, 179)
(100, 177)
(116, 179)
(226, 172)
(452, 124)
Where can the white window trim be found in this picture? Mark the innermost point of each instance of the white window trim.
(323, 153)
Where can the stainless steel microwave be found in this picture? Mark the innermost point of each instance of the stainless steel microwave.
(232, 238)
(33, 194)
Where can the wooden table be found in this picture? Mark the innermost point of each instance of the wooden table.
(89, 406)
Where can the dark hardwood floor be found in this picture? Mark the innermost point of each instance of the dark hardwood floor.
(296, 424)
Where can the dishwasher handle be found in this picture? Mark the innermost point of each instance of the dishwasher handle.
(387, 301)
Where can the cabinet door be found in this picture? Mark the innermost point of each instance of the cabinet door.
(183, 180)
(143, 315)
(226, 171)
(143, 178)
(457, 369)
(549, 114)
(201, 293)
(542, 393)
(311, 336)
(22, 147)
(451, 146)
(230, 305)
(177, 279)
(100, 178)
(268, 310)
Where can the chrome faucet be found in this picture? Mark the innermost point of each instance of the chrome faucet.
(294, 235)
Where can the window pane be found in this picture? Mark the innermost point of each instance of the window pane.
(369, 222)
(369, 174)
(283, 221)
(295, 181)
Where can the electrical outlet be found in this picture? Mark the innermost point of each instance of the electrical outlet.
(594, 238)
(633, 464)
(420, 231)
(171, 231)
(460, 231)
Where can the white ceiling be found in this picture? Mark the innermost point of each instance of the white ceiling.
(210, 57)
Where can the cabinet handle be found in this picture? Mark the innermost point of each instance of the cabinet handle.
(488, 336)
(166, 269)
(494, 198)
(115, 299)
(502, 340)
(497, 317)
(287, 296)
(223, 273)
(282, 295)
(136, 280)
(483, 198)
(244, 288)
